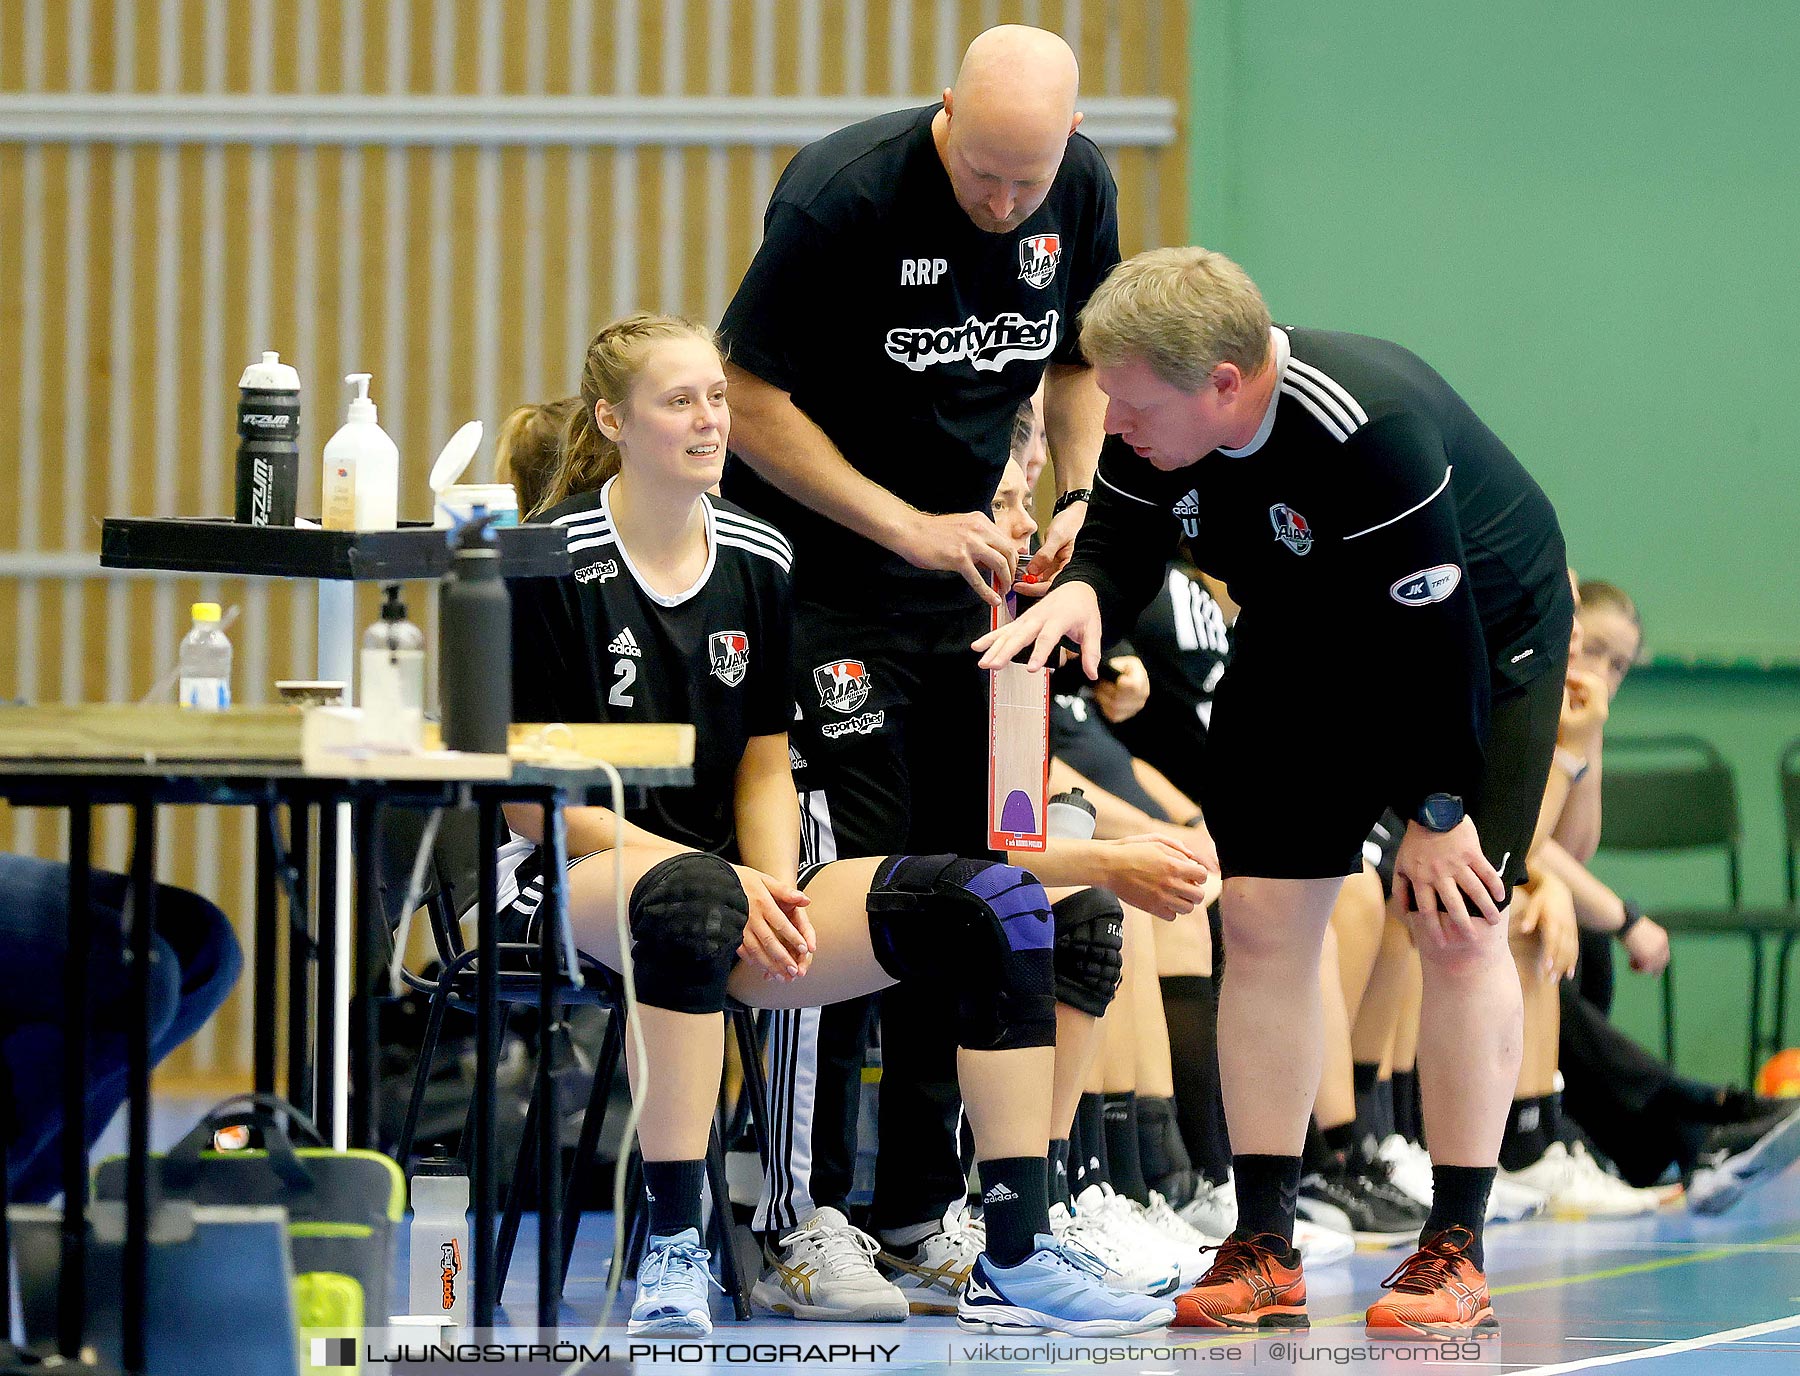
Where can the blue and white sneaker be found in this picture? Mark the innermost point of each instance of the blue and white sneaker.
(1057, 1289)
(672, 1283)
(1721, 1182)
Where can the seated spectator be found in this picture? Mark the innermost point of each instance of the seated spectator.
(194, 961)
(525, 450)
(1645, 1118)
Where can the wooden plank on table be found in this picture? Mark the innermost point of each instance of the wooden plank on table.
(124, 731)
(643, 745)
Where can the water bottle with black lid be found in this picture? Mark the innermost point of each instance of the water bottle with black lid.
(268, 457)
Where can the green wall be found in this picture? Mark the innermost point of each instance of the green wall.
(1587, 216)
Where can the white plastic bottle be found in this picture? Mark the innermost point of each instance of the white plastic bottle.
(393, 678)
(1070, 814)
(205, 662)
(362, 469)
(439, 1260)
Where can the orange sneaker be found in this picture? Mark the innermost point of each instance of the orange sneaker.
(1248, 1286)
(1437, 1293)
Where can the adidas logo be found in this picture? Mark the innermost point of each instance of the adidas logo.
(625, 643)
(1188, 505)
(999, 1193)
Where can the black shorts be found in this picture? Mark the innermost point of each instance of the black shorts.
(890, 745)
(1296, 778)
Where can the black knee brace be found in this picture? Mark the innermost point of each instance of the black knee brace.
(687, 921)
(1090, 949)
(988, 926)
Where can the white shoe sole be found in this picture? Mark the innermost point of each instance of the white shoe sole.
(778, 1301)
(691, 1325)
(1008, 1318)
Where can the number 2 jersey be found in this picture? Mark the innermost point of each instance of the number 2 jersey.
(598, 645)
(1394, 563)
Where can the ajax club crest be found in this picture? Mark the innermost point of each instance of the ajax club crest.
(843, 685)
(729, 652)
(1291, 527)
(1038, 256)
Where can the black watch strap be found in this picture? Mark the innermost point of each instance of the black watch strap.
(1633, 915)
(1069, 498)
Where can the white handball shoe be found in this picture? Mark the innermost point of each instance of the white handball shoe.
(825, 1269)
(1575, 1186)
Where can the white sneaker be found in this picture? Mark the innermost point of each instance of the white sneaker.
(1513, 1201)
(1129, 1223)
(1409, 1166)
(933, 1278)
(1135, 1273)
(1213, 1209)
(1321, 1246)
(825, 1269)
(1166, 1221)
(1576, 1187)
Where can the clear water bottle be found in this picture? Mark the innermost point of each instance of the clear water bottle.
(439, 1257)
(205, 661)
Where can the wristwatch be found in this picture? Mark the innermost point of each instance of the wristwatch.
(1575, 766)
(1440, 812)
(1633, 915)
(1069, 498)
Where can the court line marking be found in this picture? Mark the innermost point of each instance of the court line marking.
(1635, 1268)
(1726, 1335)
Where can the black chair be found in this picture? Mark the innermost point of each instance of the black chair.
(1677, 794)
(449, 887)
(1789, 777)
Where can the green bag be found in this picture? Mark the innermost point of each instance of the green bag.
(342, 1205)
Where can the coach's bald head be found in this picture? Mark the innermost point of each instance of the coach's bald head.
(1006, 122)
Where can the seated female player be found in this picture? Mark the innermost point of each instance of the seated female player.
(678, 610)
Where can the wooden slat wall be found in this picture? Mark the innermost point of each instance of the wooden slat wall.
(136, 281)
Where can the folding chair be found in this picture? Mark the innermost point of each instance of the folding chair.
(1677, 794)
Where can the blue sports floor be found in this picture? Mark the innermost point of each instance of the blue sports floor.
(1663, 1296)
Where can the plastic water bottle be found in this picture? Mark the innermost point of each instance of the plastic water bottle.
(1070, 814)
(268, 457)
(440, 1241)
(205, 662)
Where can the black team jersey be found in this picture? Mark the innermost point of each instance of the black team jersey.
(1391, 558)
(1184, 641)
(597, 645)
(908, 335)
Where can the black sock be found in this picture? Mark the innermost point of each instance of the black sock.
(1267, 1189)
(1459, 1196)
(673, 1189)
(1057, 1173)
(1122, 1157)
(1191, 1006)
(1530, 1129)
(1167, 1167)
(1382, 1111)
(1408, 1121)
(1340, 1141)
(1374, 1102)
(1091, 1166)
(1315, 1156)
(1013, 1191)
